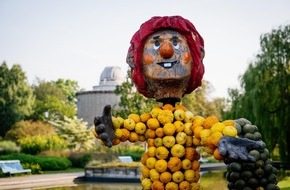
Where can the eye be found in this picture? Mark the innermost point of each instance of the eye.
(175, 44)
(156, 44)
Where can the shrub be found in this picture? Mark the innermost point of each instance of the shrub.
(24, 158)
(8, 147)
(54, 142)
(32, 145)
(36, 144)
(45, 162)
(60, 153)
(76, 133)
(35, 168)
(53, 163)
(23, 129)
(134, 151)
(80, 159)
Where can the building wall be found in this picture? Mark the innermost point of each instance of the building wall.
(92, 103)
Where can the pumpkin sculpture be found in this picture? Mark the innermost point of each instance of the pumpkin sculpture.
(165, 57)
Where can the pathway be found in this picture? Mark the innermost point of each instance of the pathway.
(28, 182)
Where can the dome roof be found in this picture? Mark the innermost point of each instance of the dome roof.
(110, 78)
(112, 74)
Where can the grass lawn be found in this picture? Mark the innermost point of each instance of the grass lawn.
(284, 184)
(215, 180)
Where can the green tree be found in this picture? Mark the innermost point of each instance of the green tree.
(16, 97)
(233, 103)
(69, 89)
(55, 99)
(75, 132)
(130, 100)
(265, 94)
(199, 103)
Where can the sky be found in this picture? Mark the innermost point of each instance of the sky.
(77, 39)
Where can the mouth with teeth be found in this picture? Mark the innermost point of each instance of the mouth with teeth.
(167, 65)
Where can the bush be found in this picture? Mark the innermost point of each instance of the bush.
(60, 153)
(36, 144)
(8, 147)
(23, 129)
(53, 163)
(45, 162)
(24, 158)
(134, 151)
(80, 159)
(35, 168)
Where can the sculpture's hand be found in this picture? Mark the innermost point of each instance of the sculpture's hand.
(104, 126)
(238, 148)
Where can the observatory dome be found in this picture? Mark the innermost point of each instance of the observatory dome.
(110, 78)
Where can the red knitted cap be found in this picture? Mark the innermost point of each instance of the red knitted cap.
(179, 24)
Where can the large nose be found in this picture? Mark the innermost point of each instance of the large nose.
(166, 50)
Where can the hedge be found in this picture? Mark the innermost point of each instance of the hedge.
(45, 162)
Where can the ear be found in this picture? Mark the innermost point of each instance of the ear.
(130, 59)
(202, 52)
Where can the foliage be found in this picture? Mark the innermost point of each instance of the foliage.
(69, 89)
(117, 164)
(8, 147)
(60, 153)
(53, 163)
(135, 152)
(55, 99)
(75, 132)
(265, 99)
(130, 100)
(80, 159)
(36, 144)
(16, 97)
(199, 103)
(104, 153)
(35, 168)
(26, 128)
(45, 162)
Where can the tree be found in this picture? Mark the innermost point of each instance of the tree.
(233, 104)
(130, 100)
(69, 89)
(75, 132)
(199, 103)
(55, 99)
(16, 97)
(265, 94)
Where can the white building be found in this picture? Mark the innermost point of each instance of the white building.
(91, 103)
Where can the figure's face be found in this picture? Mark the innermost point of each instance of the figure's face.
(166, 64)
(166, 56)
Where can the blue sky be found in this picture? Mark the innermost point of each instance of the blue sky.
(74, 39)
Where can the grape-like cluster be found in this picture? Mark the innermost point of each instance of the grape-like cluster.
(251, 175)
